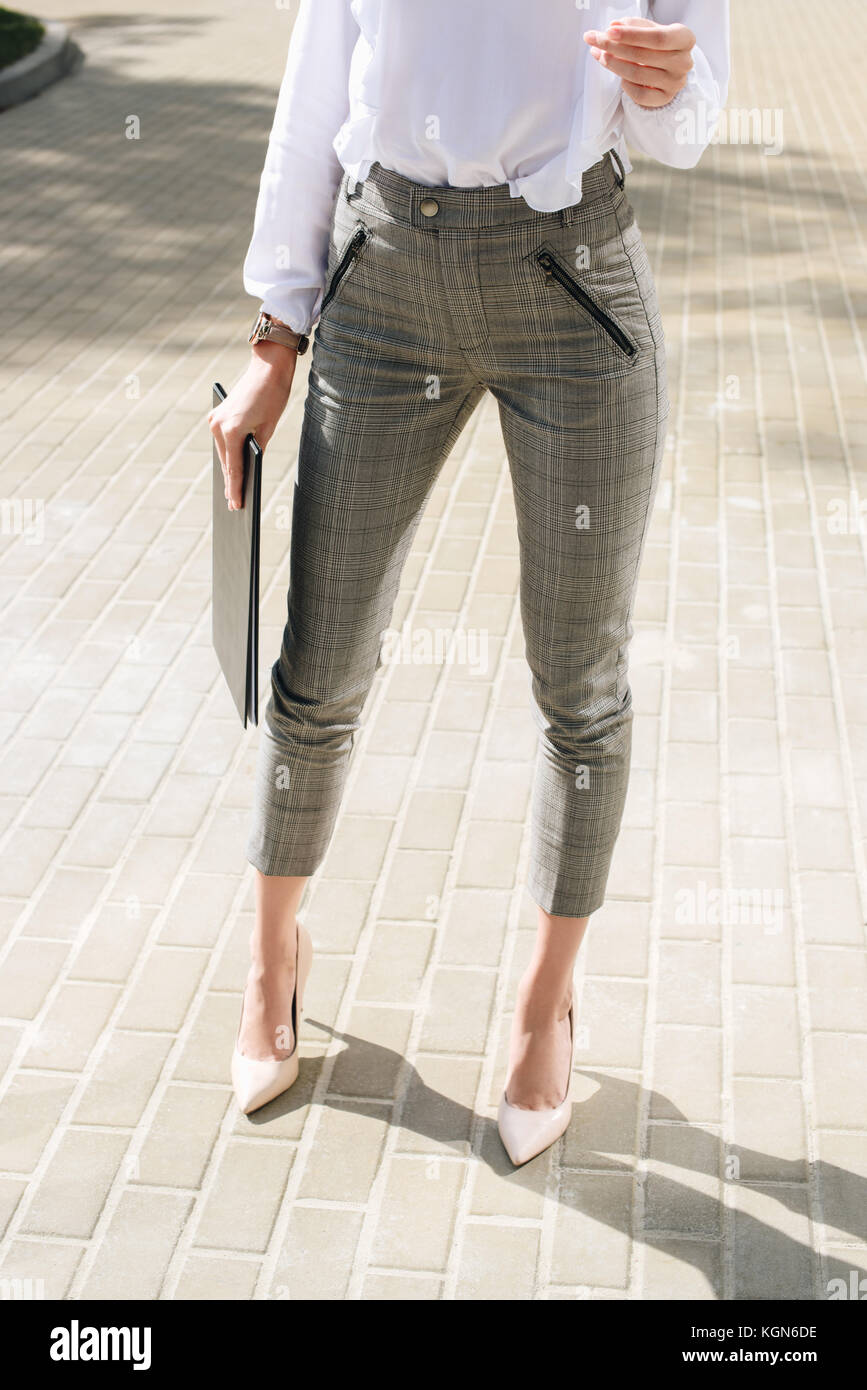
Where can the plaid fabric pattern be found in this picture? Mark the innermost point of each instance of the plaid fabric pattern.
(437, 307)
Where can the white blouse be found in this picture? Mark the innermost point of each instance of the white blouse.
(462, 92)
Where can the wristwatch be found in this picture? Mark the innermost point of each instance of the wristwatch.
(268, 329)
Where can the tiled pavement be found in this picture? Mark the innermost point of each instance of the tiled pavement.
(719, 1149)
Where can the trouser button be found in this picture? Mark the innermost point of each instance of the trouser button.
(429, 206)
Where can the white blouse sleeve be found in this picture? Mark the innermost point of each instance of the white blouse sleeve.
(679, 133)
(286, 260)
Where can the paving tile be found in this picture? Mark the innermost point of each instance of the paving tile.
(244, 1199)
(138, 1245)
(416, 1214)
(72, 1191)
(301, 1271)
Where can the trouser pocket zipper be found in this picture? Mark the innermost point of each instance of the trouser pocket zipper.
(351, 254)
(553, 270)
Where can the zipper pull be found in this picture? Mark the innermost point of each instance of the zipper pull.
(546, 263)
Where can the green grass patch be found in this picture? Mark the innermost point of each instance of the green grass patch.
(19, 35)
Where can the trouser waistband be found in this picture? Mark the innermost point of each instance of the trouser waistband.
(419, 205)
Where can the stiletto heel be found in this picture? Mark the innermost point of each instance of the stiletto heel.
(256, 1081)
(526, 1133)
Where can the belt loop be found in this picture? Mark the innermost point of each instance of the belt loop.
(621, 176)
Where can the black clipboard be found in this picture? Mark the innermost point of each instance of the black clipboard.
(235, 578)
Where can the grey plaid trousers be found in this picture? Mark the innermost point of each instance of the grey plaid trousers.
(556, 315)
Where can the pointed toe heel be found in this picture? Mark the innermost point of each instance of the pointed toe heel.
(527, 1133)
(256, 1081)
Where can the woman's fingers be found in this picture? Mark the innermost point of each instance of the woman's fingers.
(653, 60)
(639, 75)
(233, 469)
(229, 442)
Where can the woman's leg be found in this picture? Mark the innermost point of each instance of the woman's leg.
(584, 424)
(374, 436)
(267, 1013)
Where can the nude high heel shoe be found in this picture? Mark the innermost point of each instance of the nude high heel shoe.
(257, 1081)
(526, 1133)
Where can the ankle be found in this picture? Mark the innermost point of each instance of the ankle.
(273, 953)
(546, 997)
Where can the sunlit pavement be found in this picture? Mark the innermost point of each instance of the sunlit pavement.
(718, 1147)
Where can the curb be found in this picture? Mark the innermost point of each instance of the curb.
(55, 56)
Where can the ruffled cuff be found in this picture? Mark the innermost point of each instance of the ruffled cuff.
(679, 132)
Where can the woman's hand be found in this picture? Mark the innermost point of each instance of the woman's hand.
(253, 406)
(652, 60)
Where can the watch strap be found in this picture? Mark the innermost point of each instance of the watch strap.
(267, 329)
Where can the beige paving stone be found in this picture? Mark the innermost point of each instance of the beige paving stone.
(122, 1081)
(138, 1245)
(205, 1053)
(837, 982)
(457, 1020)
(358, 848)
(196, 1112)
(475, 930)
(414, 885)
(489, 855)
(11, 1191)
(71, 1193)
(396, 963)
(198, 912)
(102, 835)
(416, 1216)
(401, 1288)
(206, 1277)
(432, 820)
(692, 834)
(766, 1034)
(398, 729)
(379, 785)
(334, 914)
(591, 1236)
(162, 994)
(497, 1263)
(28, 853)
(687, 1074)
(40, 1269)
(315, 1261)
(770, 1142)
(65, 903)
(151, 868)
(681, 1269)
(682, 1186)
(603, 1130)
(243, 1202)
(347, 1155)
(373, 1058)
(61, 797)
(71, 1027)
(688, 983)
(838, 1062)
(618, 941)
(771, 1244)
(27, 974)
(841, 1171)
(449, 759)
(632, 864)
(437, 1114)
(179, 806)
(610, 1023)
(137, 774)
(113, 942)
(692, 903)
